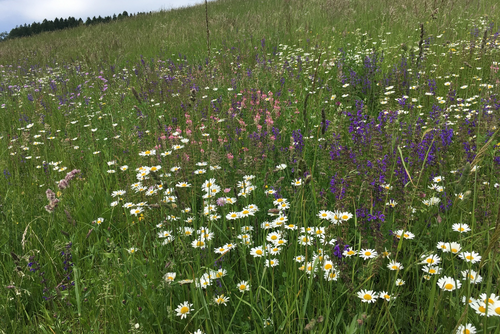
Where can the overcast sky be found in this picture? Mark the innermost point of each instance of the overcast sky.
(19, 12)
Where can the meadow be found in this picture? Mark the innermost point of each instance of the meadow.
(309, 166)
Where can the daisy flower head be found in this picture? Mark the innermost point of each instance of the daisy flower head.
(461, 228)
(448, 283)
(384, 295)
(147, 153)
(367, 296)
(297, 182)
(345, 216)
(243, 286)
(184, 309)
(305, 240)
(491, 299)
(257, 251)
(400, 282)
(472, 257)
(328, 266)
(472, 275)
(368, 254)
(132, 250)
(481, 308)
(394, 265)
(272, 263)
(432, 270)
(466, 329)
(221, 299)
(324, 214)
(136, 211)
(183, 185)
(169, 277)
(331, 275)
(455, 247)
(349, 252)
(281, 167)
(392, 203)
(431, 259)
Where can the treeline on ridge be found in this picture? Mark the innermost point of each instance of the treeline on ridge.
(59, 24)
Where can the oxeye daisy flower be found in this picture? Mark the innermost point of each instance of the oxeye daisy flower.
(323, 214)
(350, 252)
(392, 203)
(199, 243)
(462, 228)
(455, 247)
(184, 309)
(297, 182)
(147, 153)
(328, 266)
(243, 286)
(345, 216)
(304, 240)
(299, 258)
(169, 277)
(281, 167)
(393, 265)
(331, 275)
(136, 211)
(272, 263)
(400, 282)
(448, 283)
(384, 295)
(257, 251)
(481, 308)
(467, 329)
(472, 275)
(368, 254)
(221, 299)
(432, 259)
(432, 270)
(472, 257)
(132, 250)
(367, 296)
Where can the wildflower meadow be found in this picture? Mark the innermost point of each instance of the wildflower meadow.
(270, 167)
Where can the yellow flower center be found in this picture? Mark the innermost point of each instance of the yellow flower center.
(461, 229)
(387, 296)
(148, 152)
(482, 309)
(328, 266)
(345, 216)
(395, 267)
(367, 297)
(243, 287)
(351, 252)
(448, 286)
(469, 257)
(184, 309)
(274, 237)
(200, 243)
(258, 252)
(368, 253)
(430, 261)
(497, 310)
(454, 250)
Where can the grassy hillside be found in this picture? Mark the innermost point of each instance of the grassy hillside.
(328, 166)
(245, 22)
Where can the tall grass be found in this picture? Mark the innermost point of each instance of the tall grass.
(351, 140)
